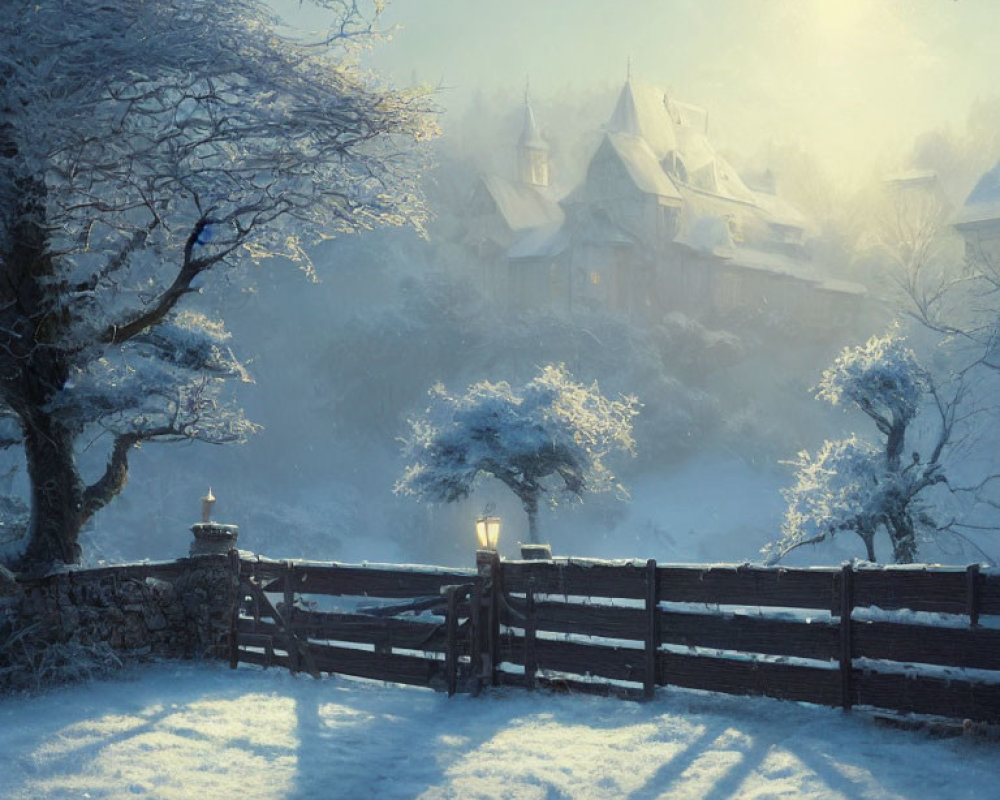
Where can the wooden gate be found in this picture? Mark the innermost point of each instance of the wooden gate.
(408, 625)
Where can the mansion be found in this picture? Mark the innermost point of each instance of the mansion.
(660, 223)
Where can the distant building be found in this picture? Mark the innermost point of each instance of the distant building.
(978, 220)
(501, 211)
(660, 222)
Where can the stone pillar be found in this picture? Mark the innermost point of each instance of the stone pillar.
(536, 552)
(213, 538)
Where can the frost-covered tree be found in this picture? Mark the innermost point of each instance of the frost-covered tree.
(862, 486)
(145, 145)
(547, 438)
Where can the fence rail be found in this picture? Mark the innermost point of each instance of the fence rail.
(833, 636)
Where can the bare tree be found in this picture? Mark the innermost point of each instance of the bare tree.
(143, 146)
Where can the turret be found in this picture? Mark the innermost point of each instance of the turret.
(532, 150)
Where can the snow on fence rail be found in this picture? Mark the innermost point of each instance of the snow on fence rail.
(917, 639)
(789, 633)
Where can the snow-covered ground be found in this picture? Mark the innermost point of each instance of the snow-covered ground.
(181, 731)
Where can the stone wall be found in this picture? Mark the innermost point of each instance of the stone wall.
(77, 623)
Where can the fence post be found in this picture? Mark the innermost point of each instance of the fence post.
(846, 645)
(496, 586)
(235, 570)
(530, 629)
(475, 637)
(488, 634)
(451, 648)
(291, 645)
(972, 593)
(652, 631)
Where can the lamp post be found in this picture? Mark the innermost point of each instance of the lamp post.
(488, 532)
(485, 620)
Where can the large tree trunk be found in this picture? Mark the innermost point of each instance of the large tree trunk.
(57, 494)
(33, 367)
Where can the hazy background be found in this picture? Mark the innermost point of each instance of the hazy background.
(851, 81)
(833, 96)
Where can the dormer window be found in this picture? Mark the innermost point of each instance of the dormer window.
(673, 165)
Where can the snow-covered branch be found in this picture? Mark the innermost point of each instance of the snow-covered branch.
(856, 485)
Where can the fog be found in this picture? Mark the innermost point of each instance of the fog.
(851, 82)
(828, 98)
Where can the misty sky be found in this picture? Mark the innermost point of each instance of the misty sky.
(851, 81)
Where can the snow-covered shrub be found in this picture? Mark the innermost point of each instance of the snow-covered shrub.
(29, 661)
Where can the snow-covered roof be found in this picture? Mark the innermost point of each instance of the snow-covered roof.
(983, 202)
(583, 224)
(544, 242)
(774, 263)
(522, 206)
(668, 127)
(688, 115)
(643, 166)
(641, 111)
(730, 183)
(843, 287)
(912, 177)
(694, 148)
(706, 233)
(779, 211)
(779, 264)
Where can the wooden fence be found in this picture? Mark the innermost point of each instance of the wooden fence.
(407, 625)
(921, 640)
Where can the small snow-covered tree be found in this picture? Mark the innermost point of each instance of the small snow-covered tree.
(143, 145)
(860, 486)
(548, 437)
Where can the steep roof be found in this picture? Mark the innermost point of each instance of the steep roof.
(983, 203)
(521, 206)
(781, 265)
(694, 148)
(531, 135)
(583, 224)
(690, 116)
(625, 117)
(730, 183)
(669, 126)
(780, 211)
(642, 165)
(543, 242)
(641, 111)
